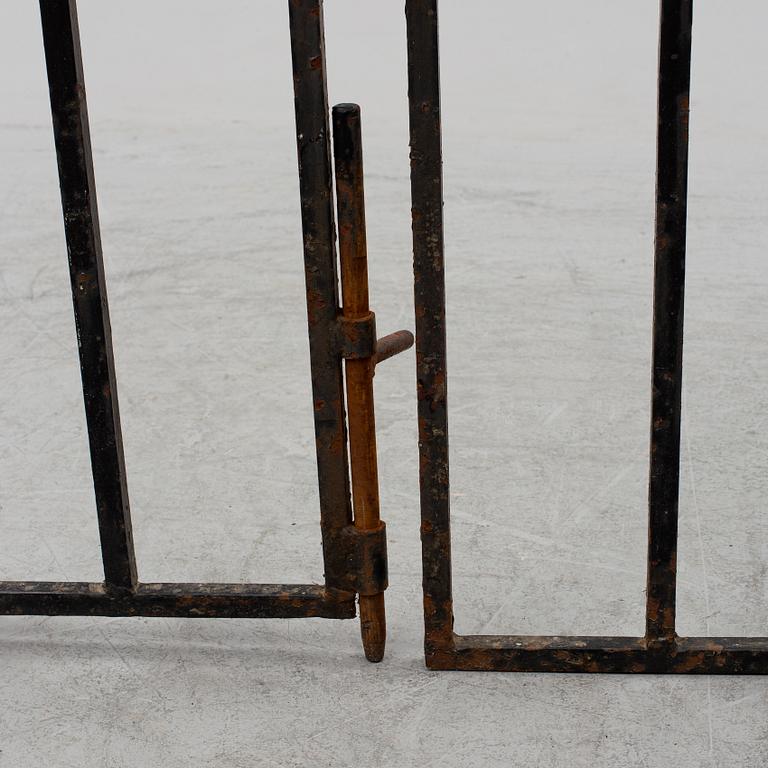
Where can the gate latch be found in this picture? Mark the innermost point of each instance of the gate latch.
(361, 548)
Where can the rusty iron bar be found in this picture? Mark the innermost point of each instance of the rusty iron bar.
(622, 655)
(660, 650)
(64, 64)
(353, 258)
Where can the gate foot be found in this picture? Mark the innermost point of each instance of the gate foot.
(373, 626)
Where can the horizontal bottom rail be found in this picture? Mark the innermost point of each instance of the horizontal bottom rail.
(246, 601)
(623, 655)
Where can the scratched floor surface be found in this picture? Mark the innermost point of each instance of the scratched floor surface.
(549, 143)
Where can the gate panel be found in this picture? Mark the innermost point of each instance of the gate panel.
(354, 545)
(660, 649)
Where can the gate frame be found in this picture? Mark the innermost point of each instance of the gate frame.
(660, 649)
(354, 559)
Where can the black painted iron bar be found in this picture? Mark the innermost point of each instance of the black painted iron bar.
(668, 291)
(316, 189)
(180, 600)
(89, 292)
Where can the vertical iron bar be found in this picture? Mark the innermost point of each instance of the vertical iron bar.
(316, 191)
(81, 225)
(353, 257)
(429, 290)
(669, 283)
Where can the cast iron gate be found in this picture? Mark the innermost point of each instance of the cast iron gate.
(660, 650)
(354, 545)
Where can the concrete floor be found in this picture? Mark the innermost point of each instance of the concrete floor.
(549, 142)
